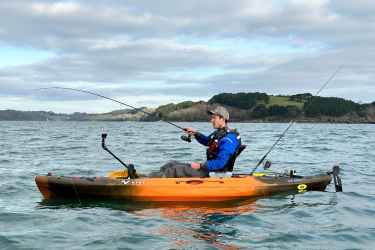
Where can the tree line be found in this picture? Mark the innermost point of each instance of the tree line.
(327, 106)
(164, 110)
(250, 100)
(300, 97)
(330, 106)
(13, 115)
(322, 106)
(240, 100)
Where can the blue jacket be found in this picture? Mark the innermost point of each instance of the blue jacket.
(227, 145)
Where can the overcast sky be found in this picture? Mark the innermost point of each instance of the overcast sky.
(149, 53)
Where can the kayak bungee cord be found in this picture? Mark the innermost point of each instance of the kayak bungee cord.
(297, 119)
(186, 139)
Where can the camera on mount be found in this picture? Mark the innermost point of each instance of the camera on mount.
(267, 165)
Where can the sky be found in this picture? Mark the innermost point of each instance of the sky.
(148, 53)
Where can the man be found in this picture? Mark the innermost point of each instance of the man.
(222, 143)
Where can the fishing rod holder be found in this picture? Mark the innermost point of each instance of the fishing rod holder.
(131, 171)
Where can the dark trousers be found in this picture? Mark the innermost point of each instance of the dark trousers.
(176, 170)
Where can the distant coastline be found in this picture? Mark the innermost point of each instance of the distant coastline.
(177, 116)
(242, 107)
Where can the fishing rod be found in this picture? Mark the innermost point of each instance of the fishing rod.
(183, 137)
(268, 164)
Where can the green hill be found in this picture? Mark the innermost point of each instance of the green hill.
(283, 101)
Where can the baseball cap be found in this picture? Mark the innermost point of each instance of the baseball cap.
(219, 110)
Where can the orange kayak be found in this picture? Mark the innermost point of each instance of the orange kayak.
(176, 189)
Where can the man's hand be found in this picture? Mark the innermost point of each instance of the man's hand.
(195, 166)
(190, 131)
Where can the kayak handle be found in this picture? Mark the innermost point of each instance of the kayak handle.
(195, 182)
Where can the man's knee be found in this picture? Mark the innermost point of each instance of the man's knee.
(157, 174)
(178, 170)
(169, 165)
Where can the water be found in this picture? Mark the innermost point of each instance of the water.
(311, 220)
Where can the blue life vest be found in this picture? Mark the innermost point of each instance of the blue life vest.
(213, 147)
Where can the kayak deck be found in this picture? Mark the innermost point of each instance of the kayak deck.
(175, 189)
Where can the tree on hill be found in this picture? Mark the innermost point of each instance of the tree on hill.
(259, 111)
(240, 100)
(164, 110)
(285, 111)
(300, 97)
(330, 106)
(135, 111)
(15, 115)
(277, 110)
(293, 110)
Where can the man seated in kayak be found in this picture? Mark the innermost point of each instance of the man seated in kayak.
(222, 143)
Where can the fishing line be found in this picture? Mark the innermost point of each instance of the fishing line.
(114, 101)
(76, 191)
(297, 119)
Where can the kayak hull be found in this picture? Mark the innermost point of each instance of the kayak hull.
(175, 189)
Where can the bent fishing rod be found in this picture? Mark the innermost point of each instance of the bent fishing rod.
(297, 119)
(182, 137)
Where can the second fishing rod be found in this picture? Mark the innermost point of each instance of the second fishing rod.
(267, 165)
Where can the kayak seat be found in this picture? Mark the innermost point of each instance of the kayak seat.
(230, 164)
(233, 158)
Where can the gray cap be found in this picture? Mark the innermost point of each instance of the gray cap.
(219, 110)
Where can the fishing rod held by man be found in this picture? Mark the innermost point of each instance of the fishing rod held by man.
(91, 93)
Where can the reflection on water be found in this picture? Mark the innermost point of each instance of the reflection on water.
(193, 222)
(206, 222)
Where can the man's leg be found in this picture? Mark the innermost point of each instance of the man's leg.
(179, 170)
(160, 173)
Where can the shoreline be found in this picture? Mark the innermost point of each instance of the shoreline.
(229, 122)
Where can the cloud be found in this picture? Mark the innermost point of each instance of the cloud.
(170, 50)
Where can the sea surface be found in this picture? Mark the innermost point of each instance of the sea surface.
(292, 220)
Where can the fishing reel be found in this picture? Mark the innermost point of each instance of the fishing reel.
(186, 138)
(267, 165)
